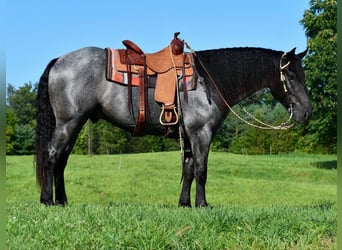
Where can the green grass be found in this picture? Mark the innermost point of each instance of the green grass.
(130, 202)
(138, 226)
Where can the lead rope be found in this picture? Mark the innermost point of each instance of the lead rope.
(265, 126)
(179, 109)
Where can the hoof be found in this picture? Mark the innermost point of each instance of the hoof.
(47, 203)
(201, 204)
(61, 203)
(181, 204)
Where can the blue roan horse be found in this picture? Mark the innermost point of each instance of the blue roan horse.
(73, 89)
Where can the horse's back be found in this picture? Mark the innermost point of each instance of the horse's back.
(79, 64)
(75, 81)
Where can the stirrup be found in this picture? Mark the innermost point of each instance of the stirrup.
(173, 111)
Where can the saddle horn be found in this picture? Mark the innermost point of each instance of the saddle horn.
(177, 45)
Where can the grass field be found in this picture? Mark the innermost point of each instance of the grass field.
(130, 202)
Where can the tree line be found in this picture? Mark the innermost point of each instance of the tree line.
(318, 136)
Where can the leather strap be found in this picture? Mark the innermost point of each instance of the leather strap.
(139, 129)
(129, 83)
(184, 87)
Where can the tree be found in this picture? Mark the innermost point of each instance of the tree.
(252, 140)
(111, 139)
(24, 140)
(11, 123)
(22, 102)
(320, 24)
(20, 112)
(321, 72)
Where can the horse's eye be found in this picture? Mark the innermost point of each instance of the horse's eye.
(291, 75)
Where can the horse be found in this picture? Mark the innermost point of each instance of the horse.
(73, 88)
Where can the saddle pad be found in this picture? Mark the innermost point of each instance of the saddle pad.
(112, 72)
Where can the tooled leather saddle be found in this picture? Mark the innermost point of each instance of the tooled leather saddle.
(170, 66)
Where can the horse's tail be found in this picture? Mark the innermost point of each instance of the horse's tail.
(46, 123)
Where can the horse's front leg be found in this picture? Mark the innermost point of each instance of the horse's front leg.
(187, 177)
(200, 171)
(200, 144)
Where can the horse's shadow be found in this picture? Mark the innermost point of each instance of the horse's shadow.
(325, 164)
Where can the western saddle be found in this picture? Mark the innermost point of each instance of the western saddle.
(169, 65)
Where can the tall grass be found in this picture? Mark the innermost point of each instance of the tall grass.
(130, 202)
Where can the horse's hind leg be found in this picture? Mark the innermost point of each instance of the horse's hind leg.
(47, 182)
(59, 149)
(60, 195)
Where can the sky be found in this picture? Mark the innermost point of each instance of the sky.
(38, 31)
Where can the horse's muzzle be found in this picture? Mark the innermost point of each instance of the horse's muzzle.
(302, 114)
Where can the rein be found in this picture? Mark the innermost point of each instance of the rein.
(179, 107)
(263, 125)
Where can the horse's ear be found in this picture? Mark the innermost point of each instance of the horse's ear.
(288, 56)
(292, 52)
(302, 54)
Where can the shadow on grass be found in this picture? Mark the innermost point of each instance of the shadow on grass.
(325, 164)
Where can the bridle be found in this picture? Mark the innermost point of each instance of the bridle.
(283, 81)
(282, 76)
(262, 125)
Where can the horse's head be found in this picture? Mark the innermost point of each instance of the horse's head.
(290, 90)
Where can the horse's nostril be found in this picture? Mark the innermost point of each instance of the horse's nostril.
(306, 115)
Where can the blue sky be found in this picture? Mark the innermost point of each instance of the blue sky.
(37, 31)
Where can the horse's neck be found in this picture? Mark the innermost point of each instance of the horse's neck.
(245, 91)
(238, 78)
